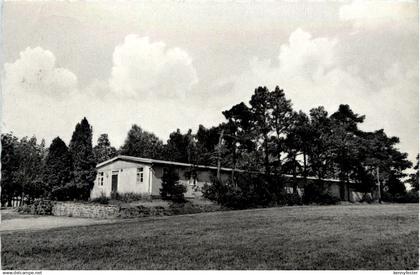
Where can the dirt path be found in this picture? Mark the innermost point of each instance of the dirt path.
(29, 223)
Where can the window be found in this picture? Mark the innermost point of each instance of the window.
(140, 175)
(101, 178)
(289, 190)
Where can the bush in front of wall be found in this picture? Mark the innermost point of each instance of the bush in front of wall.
(407, 197)
(171, 188)
(101, 199)
(131, 197)
(314, 193)
(246, 191)
(292, 199)
(38, 207)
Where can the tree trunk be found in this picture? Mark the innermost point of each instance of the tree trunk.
(295, 185)
(234, 165)
(379, 186)
(266, 160)
(219, 154)
(348, 189)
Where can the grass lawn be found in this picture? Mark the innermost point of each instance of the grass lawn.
(309, 237)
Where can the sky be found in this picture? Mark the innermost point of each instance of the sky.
(177, 64)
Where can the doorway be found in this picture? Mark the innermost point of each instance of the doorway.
(114, 184)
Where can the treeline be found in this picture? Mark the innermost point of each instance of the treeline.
(60, 172)
(266, 135)
(269, 136)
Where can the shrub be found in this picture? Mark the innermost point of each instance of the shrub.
(64, 193)
(101, 200)
(24, 209)
(215, 190)
(171, 188)
(408, 197)
(293, 199)
(38, 207)
(130, 197)
(328, 199)
(183, 208)
(367, 198)
(314, 193)
(247, 191)
(134, 211)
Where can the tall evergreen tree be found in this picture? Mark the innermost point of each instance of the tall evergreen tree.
(171, 188)
(58, 169)
(83, 159)
(207, 140)
(320, 152)
(238, 135)
(297, 144)
(281, 119)
(261, 123)
(414, 177)
(103, 150)
(181, 147)
(346, 142)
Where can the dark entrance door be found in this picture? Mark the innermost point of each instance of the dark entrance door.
(114, 185)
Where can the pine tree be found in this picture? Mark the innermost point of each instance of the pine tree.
(103, 150)
(58, 169)
(83, 159)
(171, 188)
(181, 147)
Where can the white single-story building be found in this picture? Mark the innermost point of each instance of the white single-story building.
(126, 174)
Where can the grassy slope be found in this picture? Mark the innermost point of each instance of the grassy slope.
(329, 237)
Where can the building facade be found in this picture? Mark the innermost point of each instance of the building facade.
(126, 174)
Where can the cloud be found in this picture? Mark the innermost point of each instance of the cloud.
(312, 73)
(48, 102)
(142, 69)
(36, 72)
(373, 14)
(305, 55)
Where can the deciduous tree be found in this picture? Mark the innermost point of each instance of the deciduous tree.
(140, 143)
(9, 166)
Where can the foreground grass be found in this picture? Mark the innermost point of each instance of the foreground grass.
(329, 237)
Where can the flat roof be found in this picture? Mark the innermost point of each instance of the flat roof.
(174, 163)
(156, 161)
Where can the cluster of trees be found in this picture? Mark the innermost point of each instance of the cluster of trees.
(30, 170)
(268, 135)
(265, 135)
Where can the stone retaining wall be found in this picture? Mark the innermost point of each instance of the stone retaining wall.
(73, 209)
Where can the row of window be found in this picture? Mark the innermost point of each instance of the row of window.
(139, 179)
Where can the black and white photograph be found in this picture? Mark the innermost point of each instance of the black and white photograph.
(209, 135)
